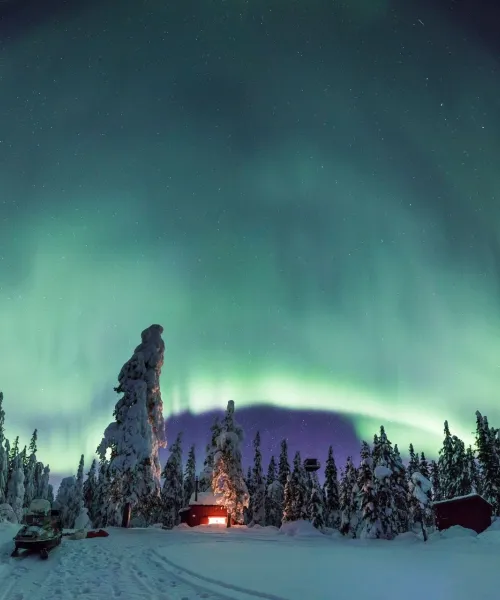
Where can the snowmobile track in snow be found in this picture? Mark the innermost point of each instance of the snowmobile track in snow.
(187, 576)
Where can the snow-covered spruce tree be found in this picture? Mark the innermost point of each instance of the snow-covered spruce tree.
(315, 508)
(13, 453)
(283, 464)
(173, 489)
(138, 431)
(205, 479)
(4, 463)
(82, 519)
(90, 492)
(348, 491)
(228, 482)
(331, 490)
(275, 496)
(68, 502)
(413, 462)
(420, 504)
(15, 487)
(424, 467)
(106, 505)
(488, 459)
(258, 485)
(189, 476)
(391, 487)
(435, 480)
(400, 483)
(446, 462)
(248, 511)
(369, 526)
(271, 471)
(43, 492)
(473, 473)
(296, 496)
(29, 481)
(463, 484)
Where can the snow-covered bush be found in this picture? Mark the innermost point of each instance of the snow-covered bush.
(7, 514)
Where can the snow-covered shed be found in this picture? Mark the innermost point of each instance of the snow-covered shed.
(203, 510)
(471, 511)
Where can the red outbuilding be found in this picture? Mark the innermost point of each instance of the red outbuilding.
(203, 510)
(471, 511)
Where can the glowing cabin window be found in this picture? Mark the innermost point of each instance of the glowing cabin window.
(216, 521)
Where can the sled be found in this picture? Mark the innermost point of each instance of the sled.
(41, 530)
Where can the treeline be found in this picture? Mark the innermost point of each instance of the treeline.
(22, 476)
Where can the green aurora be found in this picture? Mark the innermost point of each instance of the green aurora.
(315, 225)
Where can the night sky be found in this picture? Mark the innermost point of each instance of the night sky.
(305, 194)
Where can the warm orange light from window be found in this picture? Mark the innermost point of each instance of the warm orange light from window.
(216, 521)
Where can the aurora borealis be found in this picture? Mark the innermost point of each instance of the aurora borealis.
(304, 195)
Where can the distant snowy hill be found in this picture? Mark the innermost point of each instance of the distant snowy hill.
(244, 564)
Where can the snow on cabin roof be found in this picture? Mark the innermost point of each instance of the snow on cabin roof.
(204, 499)
(457, 498)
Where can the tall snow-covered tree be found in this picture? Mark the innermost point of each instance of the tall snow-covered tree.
(189, 475)
(13, 453)
(420, 504)
(413, 463)
(331, 489)
(473, 474)
(424, 467)
(435, 480)
(106, 504)
(315, 508)
(258, 485)
(446, 462)
(50, 493)
(173, 489)
(283, 464)
(296, 494)
(248, 511)
(488, 458)
(90, 492)
(348, 491)
(228, 482)
(67, 501)
(274, 503)
(206, 476)
(33, 442)
(4, 459)
(30, 482)
(271, 471)
(369, 525)
(138, 432)
(15, 487)
(391, 490)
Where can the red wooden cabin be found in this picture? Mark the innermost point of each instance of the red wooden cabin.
(203, 510)
(472, 512)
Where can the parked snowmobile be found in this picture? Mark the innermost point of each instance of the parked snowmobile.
(41, 530)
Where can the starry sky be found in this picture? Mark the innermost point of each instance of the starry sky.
(304, 194)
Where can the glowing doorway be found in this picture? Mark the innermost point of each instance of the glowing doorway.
(216, 520)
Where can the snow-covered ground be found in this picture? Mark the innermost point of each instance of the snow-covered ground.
(243, 564)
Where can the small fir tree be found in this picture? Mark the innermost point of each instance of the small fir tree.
(206, 476)
(331, 492)
(190, 475)
(258, 485)
(348, 491)
(173, 492)
(283, 464)
(90, 492)
(369, 525)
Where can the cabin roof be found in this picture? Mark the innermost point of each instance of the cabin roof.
(460, 499)
(204, 499)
